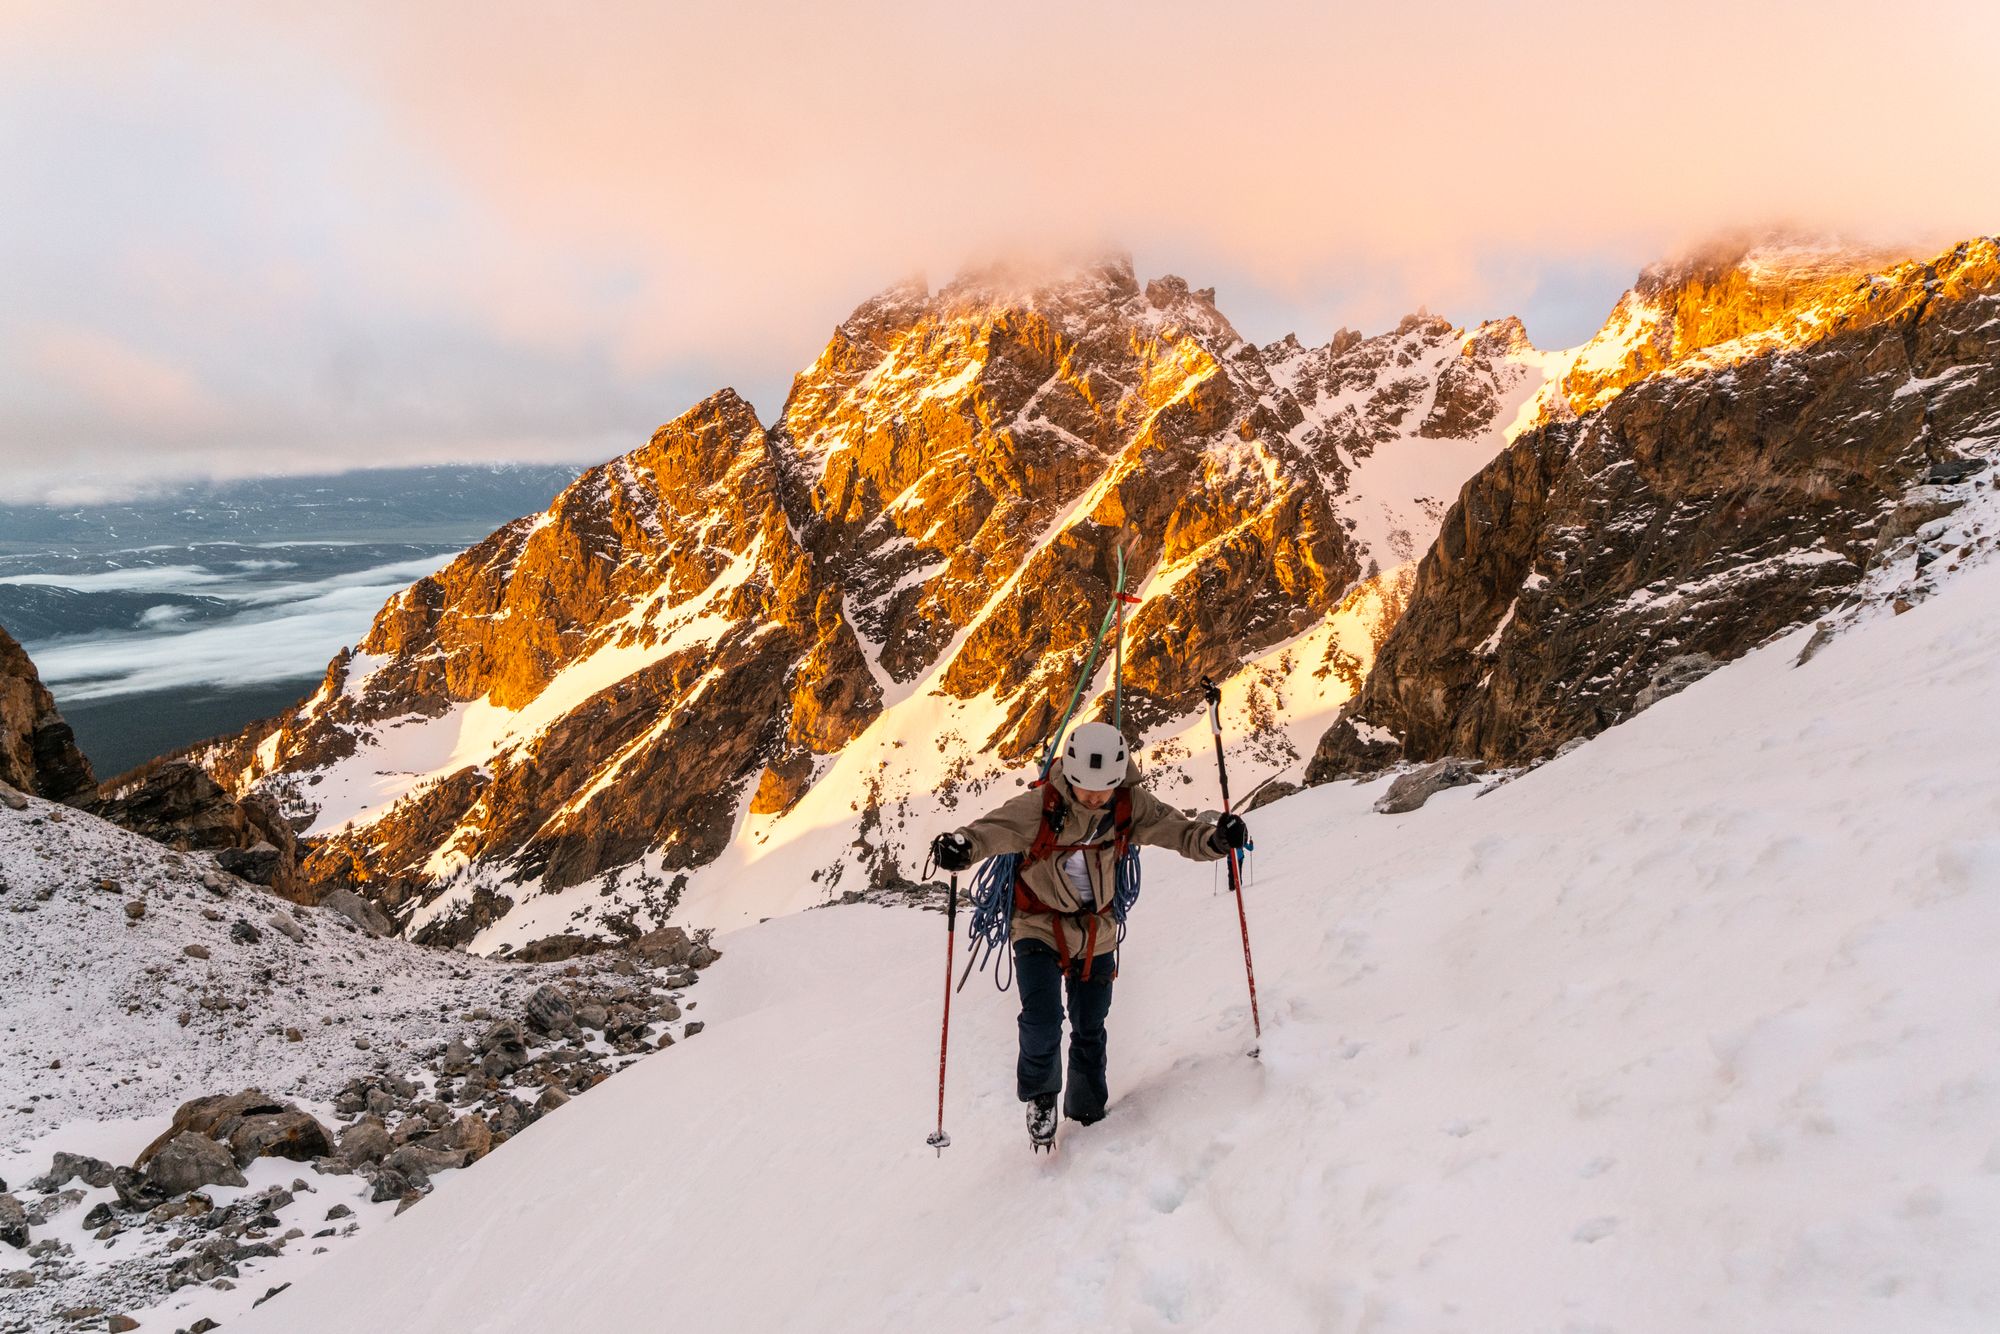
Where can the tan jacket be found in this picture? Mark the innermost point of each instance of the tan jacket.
(1012, 827)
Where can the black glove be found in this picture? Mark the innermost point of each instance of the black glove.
(1229, 834)
(952, 852)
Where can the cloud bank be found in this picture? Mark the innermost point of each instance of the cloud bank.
(285, 629)
(254, 238)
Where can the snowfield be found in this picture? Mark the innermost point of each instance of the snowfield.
(1691, 1029)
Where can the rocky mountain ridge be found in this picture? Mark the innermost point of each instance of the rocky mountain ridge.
(1725, 303)
(693, 634)
(1739, 488)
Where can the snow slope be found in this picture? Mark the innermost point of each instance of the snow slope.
(1690, 1029)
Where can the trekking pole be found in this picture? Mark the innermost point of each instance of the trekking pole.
(941, 1141)
(1213, 693)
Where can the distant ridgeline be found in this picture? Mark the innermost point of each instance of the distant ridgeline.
(338, 505)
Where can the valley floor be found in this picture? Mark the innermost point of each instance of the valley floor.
(1696, 1028)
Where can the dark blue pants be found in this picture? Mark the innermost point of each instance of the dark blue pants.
(1039, 972)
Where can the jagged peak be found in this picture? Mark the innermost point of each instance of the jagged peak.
(1500, 338)
(894, 307)
(1421, 321)
(1101, 278)
(724, 408)
(1739, 296)
(1288, 346)
(1170, 291)
(698, 449)
(1768, 255)
(1092, 281)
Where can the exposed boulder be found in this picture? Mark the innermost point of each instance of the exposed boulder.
(556, 949)
(188, 1161)
(366, 1141)
(673, 947)
(417, 1163)
(469, 1135)
(1411, 790)
(13, 1223)
(251, 1125)
(68, 1167)
(358, 911)
(1673, 676)
(290, 1134)
(1269, 793)
(389, 1186)
(549, 1011)
(503, 1049)
(670, 946)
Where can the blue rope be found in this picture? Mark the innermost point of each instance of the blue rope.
(992, 920)
(1126, 877)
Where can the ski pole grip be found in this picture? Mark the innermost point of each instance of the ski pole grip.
(1211, 692)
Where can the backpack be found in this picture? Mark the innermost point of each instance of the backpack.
(998, 892)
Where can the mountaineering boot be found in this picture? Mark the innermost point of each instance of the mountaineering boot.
(1042, 1121)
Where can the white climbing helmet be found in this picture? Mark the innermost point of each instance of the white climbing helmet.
(1095, 756)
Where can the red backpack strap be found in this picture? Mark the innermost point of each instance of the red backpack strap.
(1121, 823)
(1053, 816)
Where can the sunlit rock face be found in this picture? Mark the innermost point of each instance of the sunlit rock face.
(1732, 456)
(687, 636)
(38, 752)
(1723, 304)
(973, 458)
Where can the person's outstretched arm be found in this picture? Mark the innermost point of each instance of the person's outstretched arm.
(1010, 827)
(1159, 825)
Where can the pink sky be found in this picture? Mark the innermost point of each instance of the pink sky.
(446, 229)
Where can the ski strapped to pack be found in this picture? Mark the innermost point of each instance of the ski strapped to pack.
(997, 889)
(1113, 615)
